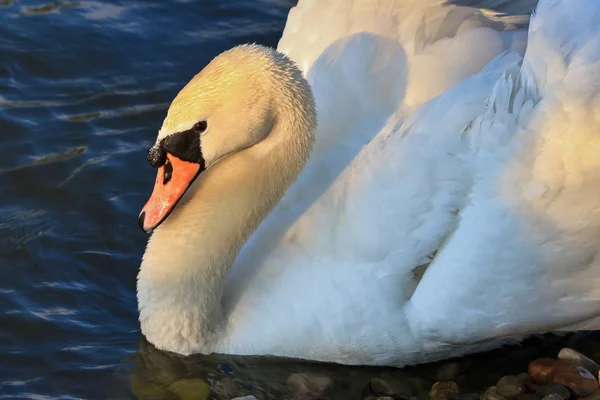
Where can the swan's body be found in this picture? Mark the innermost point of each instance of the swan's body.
(421, 227)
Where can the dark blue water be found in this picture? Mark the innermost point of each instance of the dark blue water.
(84, 86)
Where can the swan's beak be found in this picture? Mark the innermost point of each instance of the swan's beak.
(172, 180)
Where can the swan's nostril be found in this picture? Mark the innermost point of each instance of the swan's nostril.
(168, 173)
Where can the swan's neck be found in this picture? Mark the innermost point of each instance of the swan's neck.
(180, 284)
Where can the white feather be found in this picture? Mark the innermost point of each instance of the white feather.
(437, 142)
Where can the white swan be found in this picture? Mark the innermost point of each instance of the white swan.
(444, 209)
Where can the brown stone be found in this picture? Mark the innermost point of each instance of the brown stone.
(540, 371)
(491, 394)
(580, 381)
(444, 391)
(510, 387)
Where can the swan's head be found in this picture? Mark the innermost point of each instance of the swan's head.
(231, 105)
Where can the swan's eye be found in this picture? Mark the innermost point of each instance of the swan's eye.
(200, 127)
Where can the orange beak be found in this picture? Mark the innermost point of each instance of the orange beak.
(172, 180)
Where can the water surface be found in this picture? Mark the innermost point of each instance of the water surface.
(84, 86)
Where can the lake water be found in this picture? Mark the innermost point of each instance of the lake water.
(84, 86)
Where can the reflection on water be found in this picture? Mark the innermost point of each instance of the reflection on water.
(160, 375)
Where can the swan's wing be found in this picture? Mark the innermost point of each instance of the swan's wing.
(501, 176)
(525, 255)
(377, 63)
(368, 60)
(400, 198)
(371, 64)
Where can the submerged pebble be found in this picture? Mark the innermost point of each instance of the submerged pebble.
(552, 396)
(492, 394)
(510, 387)
(546, 379)
(540, 371)
(568, 354)
(579, 380)
(444, 391)
(553, 388)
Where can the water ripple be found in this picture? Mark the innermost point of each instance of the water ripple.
(109, 91)
(133, 110)
(48, 159)
(48, 314)
(53, 7)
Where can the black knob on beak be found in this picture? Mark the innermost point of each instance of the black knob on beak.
(157, 156)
